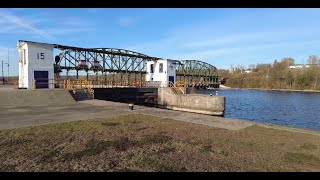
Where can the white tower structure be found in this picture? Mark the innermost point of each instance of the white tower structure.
(161, 72)
(35, 65)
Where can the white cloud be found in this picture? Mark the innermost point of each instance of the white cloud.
(94, 10)
(240, 53)
(231, 37)
(67, 30)
(72, 21)
(42, 26)
(126, 21)
(19, 22)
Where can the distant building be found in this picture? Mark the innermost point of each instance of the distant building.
(248, 71)
(299, 66)
(231, 70)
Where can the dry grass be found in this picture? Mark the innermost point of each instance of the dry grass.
(147, 143)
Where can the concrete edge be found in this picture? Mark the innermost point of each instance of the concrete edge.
(289, 128)
(191, 110)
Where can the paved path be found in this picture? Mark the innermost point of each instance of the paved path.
(22, 108)
(214, 121)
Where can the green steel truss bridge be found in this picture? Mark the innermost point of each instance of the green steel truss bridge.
(113, 60)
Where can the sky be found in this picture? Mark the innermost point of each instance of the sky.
(223, 37)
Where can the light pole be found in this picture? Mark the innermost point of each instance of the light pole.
(8, 72)
(2, 72)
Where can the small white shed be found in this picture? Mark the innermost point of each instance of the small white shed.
(35, 63)
(161, 71)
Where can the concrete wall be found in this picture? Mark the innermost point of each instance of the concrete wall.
(198, 103)
(44, 97)
(142, 96)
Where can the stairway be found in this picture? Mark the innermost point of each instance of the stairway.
(178, 88)
(82, 94)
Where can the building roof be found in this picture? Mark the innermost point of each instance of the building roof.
(114, 51)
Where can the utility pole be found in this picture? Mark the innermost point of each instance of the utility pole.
(2, 72)
(8, 66)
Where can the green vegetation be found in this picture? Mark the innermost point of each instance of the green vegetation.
(278, 75)
(146, 143)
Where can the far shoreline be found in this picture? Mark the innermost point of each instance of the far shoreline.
(263, 89)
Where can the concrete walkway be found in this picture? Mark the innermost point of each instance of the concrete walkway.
(48, 107)
(22, 108)
(214, 121)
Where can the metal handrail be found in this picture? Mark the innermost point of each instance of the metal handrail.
(74, 84)
(51, 83)
(178, 87)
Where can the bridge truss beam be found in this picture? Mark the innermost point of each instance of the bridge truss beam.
(126, 62)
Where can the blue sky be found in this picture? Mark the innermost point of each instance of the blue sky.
(222, 37)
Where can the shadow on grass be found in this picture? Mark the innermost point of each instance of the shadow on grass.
(110, 123)
(96, 147)
(301, 158)
(162, 164)
(7, 168)
(308, 146)
(15, 142)
(160, 138)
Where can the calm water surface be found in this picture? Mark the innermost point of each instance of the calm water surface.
(297, 109)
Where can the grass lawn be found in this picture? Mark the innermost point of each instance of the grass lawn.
(146, 143)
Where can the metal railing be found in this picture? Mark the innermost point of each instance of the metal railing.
(74, 84)
(153, 84)
(44, 83)
(179, 87)
(117, 84)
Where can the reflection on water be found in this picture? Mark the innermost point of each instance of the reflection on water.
(296, 109)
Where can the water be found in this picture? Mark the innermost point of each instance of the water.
(296, 109)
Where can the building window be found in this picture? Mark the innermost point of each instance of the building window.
(151, 68)
(161, 68)
(20, 57)
(23, 56)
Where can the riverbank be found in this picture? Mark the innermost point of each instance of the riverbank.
(138, 142)
(286, 90)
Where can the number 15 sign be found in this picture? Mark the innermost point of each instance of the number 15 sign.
(40, 55)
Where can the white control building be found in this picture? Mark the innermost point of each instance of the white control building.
(35, 63)
(161, 72)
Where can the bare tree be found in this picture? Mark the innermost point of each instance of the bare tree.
(277, 75)
(252, 67)
(313, 59)
(288, 61)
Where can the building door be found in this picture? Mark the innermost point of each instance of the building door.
(41, 78)
(171, 78)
